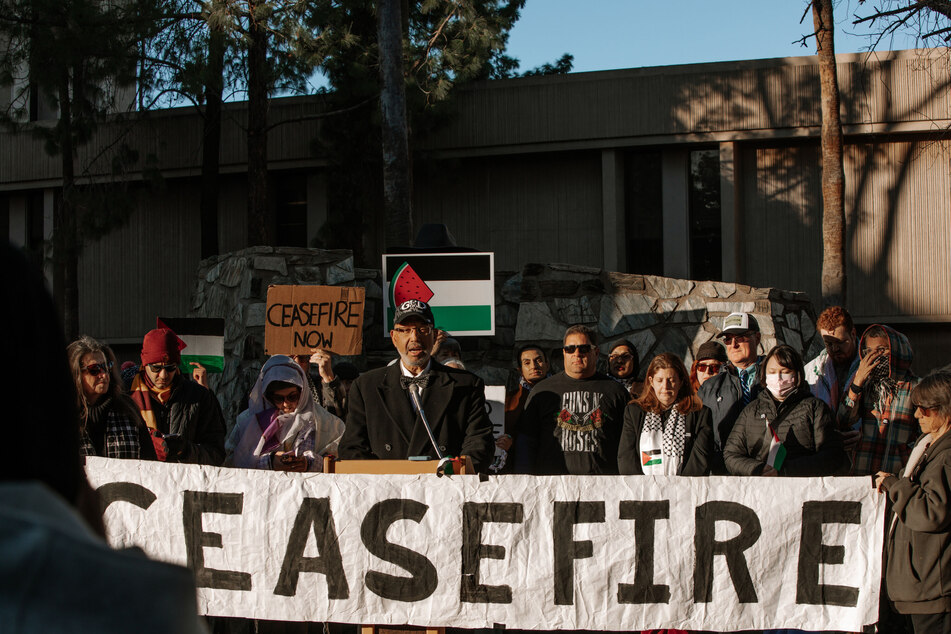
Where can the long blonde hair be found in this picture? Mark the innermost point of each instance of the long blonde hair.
(75, 353)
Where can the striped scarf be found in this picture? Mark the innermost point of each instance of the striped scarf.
(142, 391)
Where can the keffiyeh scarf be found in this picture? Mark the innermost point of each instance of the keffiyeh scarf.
(662, 442)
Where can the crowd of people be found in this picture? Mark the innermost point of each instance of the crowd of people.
(856, 409)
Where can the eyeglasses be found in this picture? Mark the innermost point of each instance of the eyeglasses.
(583, 348)
(421, 331)
(627, 356)
(927, 410)
(158, 367)
(729, 339)
(278, 399)
(95, 369)
(709, 368)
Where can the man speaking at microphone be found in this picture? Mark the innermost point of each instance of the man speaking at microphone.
(383, 421)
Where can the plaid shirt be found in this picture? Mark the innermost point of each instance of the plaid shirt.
(120, 439)
(887, 436)
(889, 450)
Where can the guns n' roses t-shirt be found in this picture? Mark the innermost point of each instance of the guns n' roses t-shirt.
(572, 426)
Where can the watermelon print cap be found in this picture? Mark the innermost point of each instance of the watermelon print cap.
(413, 308)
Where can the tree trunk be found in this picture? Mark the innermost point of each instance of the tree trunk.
(211, 148)
(259, 225)
(397, 201)
(65, 244)
(833, 179)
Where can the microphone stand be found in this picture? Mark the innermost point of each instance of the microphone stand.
(414, 394)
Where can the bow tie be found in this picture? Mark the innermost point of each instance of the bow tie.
(422, 381)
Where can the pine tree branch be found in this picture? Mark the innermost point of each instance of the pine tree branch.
(323, 115)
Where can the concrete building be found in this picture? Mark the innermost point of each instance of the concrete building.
(703, 171)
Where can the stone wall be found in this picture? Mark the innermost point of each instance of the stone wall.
(535, 305)
(234, 286)
(656, 314)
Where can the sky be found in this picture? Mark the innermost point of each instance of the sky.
(610, 34)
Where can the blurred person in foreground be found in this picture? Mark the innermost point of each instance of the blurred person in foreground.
(57, 573)
(710, 359)
(110, 425)
(785, 430)
(283, 428)
(918, 542)
(667, 429)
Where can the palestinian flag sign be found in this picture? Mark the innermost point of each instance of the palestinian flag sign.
(204, 340)
(459, 287)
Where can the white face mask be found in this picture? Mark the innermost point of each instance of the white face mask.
(781, 385)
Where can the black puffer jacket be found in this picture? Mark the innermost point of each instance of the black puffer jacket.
(803, 424)
(194, 413)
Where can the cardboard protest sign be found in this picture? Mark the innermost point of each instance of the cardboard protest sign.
(301, 318)
(460, 288)
(532, 552)
(204, 339)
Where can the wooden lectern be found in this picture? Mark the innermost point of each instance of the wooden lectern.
(389, 467)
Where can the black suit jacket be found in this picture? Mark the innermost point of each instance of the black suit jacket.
(381, 422)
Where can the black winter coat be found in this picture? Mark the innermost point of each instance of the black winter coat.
(194, 413)
(918, 548)
(804, 425)
(698, 443)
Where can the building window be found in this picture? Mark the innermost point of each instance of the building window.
(705, 228)
(290, 199)
(644, 212)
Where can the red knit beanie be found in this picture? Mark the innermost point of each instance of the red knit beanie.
(161, 346)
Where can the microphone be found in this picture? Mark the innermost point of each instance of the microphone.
(414, 394)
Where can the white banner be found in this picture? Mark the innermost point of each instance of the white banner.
(572, 552)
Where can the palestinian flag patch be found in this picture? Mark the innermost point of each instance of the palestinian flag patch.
(651, 458)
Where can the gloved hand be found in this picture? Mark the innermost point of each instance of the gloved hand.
(168, 447)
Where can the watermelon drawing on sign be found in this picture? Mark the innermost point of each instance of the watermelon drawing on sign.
(407, 284)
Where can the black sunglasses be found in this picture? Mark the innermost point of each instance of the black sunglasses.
(583, 348)
(158, 367)
(95, 369)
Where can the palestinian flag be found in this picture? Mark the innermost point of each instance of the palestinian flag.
(651, 458)
(777, 453)
(459, 287)
(204, 340)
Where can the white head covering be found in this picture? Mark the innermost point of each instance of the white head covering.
(260, 430)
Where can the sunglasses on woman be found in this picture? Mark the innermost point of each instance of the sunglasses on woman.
(95, 369)
(279, 399)
(709, 368)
